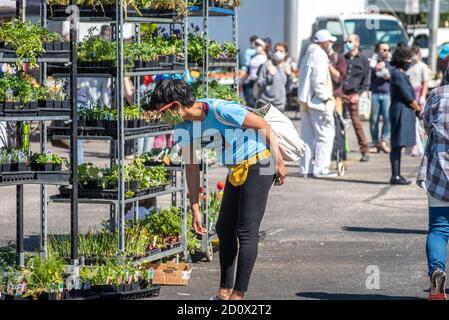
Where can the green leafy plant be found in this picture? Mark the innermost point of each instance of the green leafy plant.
(41, 274)
(45, 158)
(216, 91)
(26, 39)
(87, 173)
(95, 48)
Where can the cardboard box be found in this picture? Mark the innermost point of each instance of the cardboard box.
(171, 274)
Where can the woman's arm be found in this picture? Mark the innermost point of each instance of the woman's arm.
(253, 121)
(193, 184)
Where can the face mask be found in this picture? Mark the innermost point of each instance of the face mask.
(173, 119)
(279, 56)
(349, 46)
(407, 66)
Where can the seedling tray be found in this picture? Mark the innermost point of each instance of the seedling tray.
(55, 176)
(59, 11)
(133, 295)
(108, 194)
(17, 176)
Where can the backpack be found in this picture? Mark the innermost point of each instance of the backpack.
(290, 144)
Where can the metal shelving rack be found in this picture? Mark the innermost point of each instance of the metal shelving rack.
(117, 206)
(210, 11)
(70, 178)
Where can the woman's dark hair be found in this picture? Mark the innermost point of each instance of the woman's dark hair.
(170, 90)
(445, 80)
(282, 44)
(400, 56)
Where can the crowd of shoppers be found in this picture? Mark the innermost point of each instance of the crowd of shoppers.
(331, 82)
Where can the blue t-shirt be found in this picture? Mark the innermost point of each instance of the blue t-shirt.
(222, 130)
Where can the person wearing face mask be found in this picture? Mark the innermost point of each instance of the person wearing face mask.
(315, 96)
(256, 62)
(357, 81)
(402, 112)
(275, 78)
(248, 146)
(380, 100)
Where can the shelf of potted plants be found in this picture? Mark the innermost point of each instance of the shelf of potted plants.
(142, 11)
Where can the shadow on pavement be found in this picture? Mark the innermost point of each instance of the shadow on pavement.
(350, 296)
(385, 230)
(297, 175)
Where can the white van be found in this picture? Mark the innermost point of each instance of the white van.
(371, 28)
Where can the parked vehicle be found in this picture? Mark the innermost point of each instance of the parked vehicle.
(371, 28)
(419, 35)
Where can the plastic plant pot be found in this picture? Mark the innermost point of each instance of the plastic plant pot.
(57, 167)
(19, 167)
(6, 167)
(46, 167)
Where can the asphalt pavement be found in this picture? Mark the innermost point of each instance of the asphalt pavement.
(351, 237)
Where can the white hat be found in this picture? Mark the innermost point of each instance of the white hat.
(260, 42)
(323, 36)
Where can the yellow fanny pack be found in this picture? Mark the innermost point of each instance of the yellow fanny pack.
(239, 173)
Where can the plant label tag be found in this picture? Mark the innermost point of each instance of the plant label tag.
(20, 289)
(154, 241)
(78, 284)
(52, 288)
(120, 280)
(10, 288)
(60, 287)
(150, 274)
(87, 286)
(21, 155)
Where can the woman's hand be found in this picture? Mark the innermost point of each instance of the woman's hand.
(198, 224)
(281, 172)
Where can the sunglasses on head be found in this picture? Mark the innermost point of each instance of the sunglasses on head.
(166, 107)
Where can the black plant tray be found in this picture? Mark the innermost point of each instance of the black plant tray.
(225, 60)
(150, 164)
(53, 104)
(107, 194)
(11, 297)
(53, 112)
(154, 13)
(86, 67)
(147, 65)
(52, 176)
(17, 176)
(59, 11)
(56, 49)
(133, 295)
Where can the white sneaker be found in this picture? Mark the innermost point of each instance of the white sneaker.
(326, 175)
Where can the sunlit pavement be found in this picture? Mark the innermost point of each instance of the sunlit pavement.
(326, 239)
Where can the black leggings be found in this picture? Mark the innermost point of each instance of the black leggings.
(395, 161)
(238, 224)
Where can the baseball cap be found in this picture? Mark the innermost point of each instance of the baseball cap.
(444, 52)
(260, 42)
(323, 36)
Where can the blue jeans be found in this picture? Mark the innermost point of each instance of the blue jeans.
(437, 238)
(380, 105)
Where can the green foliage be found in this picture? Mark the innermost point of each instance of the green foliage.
(41, 274)
(216, 91)
(18, 88)
(87, 172)
(26, 39)
(44, 158)
(217, 50)
(95, 48)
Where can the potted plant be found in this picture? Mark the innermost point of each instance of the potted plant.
(19, 161)
(46, 162)
(5, 161)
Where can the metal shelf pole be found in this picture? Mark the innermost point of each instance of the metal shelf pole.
(74, 24)
(120, 127)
